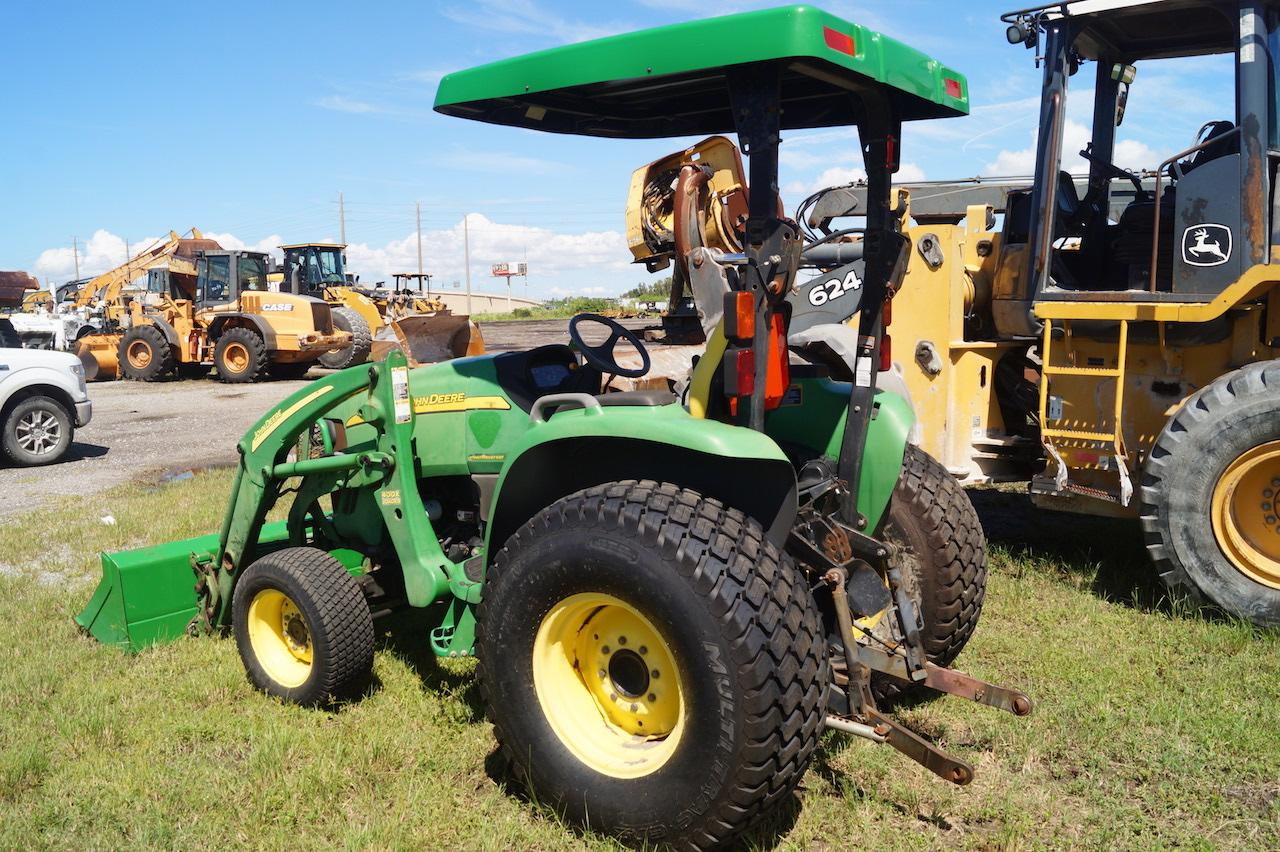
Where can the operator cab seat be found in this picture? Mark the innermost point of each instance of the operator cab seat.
(528, 375)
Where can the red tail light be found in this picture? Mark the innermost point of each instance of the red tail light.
(778, 377)
(886, 316)
(886, 354)
(839, 41)
(953, 87)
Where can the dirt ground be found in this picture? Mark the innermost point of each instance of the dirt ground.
(152, 431)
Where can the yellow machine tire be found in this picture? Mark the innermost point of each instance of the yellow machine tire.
(240, 356)
(357, 352)
(1209, 493)
(698, 588)
(303, 628)
(144, 354)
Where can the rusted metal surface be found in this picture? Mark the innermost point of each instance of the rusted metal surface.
(14, 286)
(957, 683)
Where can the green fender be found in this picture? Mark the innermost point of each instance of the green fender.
(578, 448)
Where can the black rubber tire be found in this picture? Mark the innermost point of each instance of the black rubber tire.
(740, 619)
(257, 366)
(931, 517)
(1231, 415)
(9, 338)
(162, 362)
(337, 618)
(51, 412)
(346, 319)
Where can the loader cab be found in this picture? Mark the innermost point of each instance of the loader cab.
(311, 267)
(221, 276)
(1209, 216)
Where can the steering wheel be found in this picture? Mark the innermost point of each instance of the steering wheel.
(601, 357)
(1114, 171)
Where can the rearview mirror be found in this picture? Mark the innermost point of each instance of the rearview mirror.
(1124, 75)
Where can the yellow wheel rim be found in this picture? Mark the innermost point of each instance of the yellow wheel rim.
(139, 354)
(1246, 520)
(608, 685)
(236, 357)
(280, 637)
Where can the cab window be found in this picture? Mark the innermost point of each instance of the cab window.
(216, 281)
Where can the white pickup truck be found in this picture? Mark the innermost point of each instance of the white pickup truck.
(43, 399)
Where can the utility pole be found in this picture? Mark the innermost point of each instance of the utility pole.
(419, 206)
(342, 221)
(466, 259)
(75, 253)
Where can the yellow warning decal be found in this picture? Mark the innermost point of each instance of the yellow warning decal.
(391, 498)
(438, 402)
(264, 431)
(486, 457)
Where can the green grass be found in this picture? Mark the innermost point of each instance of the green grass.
(1154, 726)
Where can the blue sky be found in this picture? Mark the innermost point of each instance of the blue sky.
(247, 120)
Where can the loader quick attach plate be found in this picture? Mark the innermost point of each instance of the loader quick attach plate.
(671, 81)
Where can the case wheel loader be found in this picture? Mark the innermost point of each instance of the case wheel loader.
(669, 599)
(1115, 341)
(377, 319)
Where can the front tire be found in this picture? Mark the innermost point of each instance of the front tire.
(1209, 493)
(629, 579)
(303, 628)
(145, 355)
(357, 352)
(37, 431)
(240, 356)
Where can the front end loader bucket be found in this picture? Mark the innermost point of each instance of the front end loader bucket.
(429, 338)
(148, 596)
(97, 353)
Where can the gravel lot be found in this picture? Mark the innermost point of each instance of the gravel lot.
(146, 432)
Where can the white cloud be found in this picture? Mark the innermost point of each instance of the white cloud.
(102, 251)
(1129, 154)
(837, 175)
(341, 103)
(528, 17)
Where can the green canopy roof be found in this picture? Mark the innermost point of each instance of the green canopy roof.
(670, 81)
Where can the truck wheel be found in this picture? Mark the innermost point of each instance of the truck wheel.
(345, 319)
(651, 664)
(1209, 495)
(36, 431)
(9, 338)
(303, 628)
(145, 355)
(240, 356)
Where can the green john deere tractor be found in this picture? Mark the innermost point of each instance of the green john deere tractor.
(669, 599)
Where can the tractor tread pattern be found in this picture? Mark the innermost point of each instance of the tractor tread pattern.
(960, 584)
(258, 354)
(1197, 422)
(361, 341)
(777, 636)
(344, 636)
(163, 360)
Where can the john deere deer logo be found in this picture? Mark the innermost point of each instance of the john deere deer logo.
(1206, 245)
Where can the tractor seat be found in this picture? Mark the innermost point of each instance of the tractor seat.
(647, 398)
(1220, 147)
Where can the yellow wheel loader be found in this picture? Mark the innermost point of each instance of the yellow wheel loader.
(213, 309)
(377, 319)
(1115, 344)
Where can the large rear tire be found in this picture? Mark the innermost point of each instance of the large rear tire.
(240, 356)
(652, 665)
(303, 628)
(346, 319)
(9, 338)
(1209, 495)
(145, 354)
